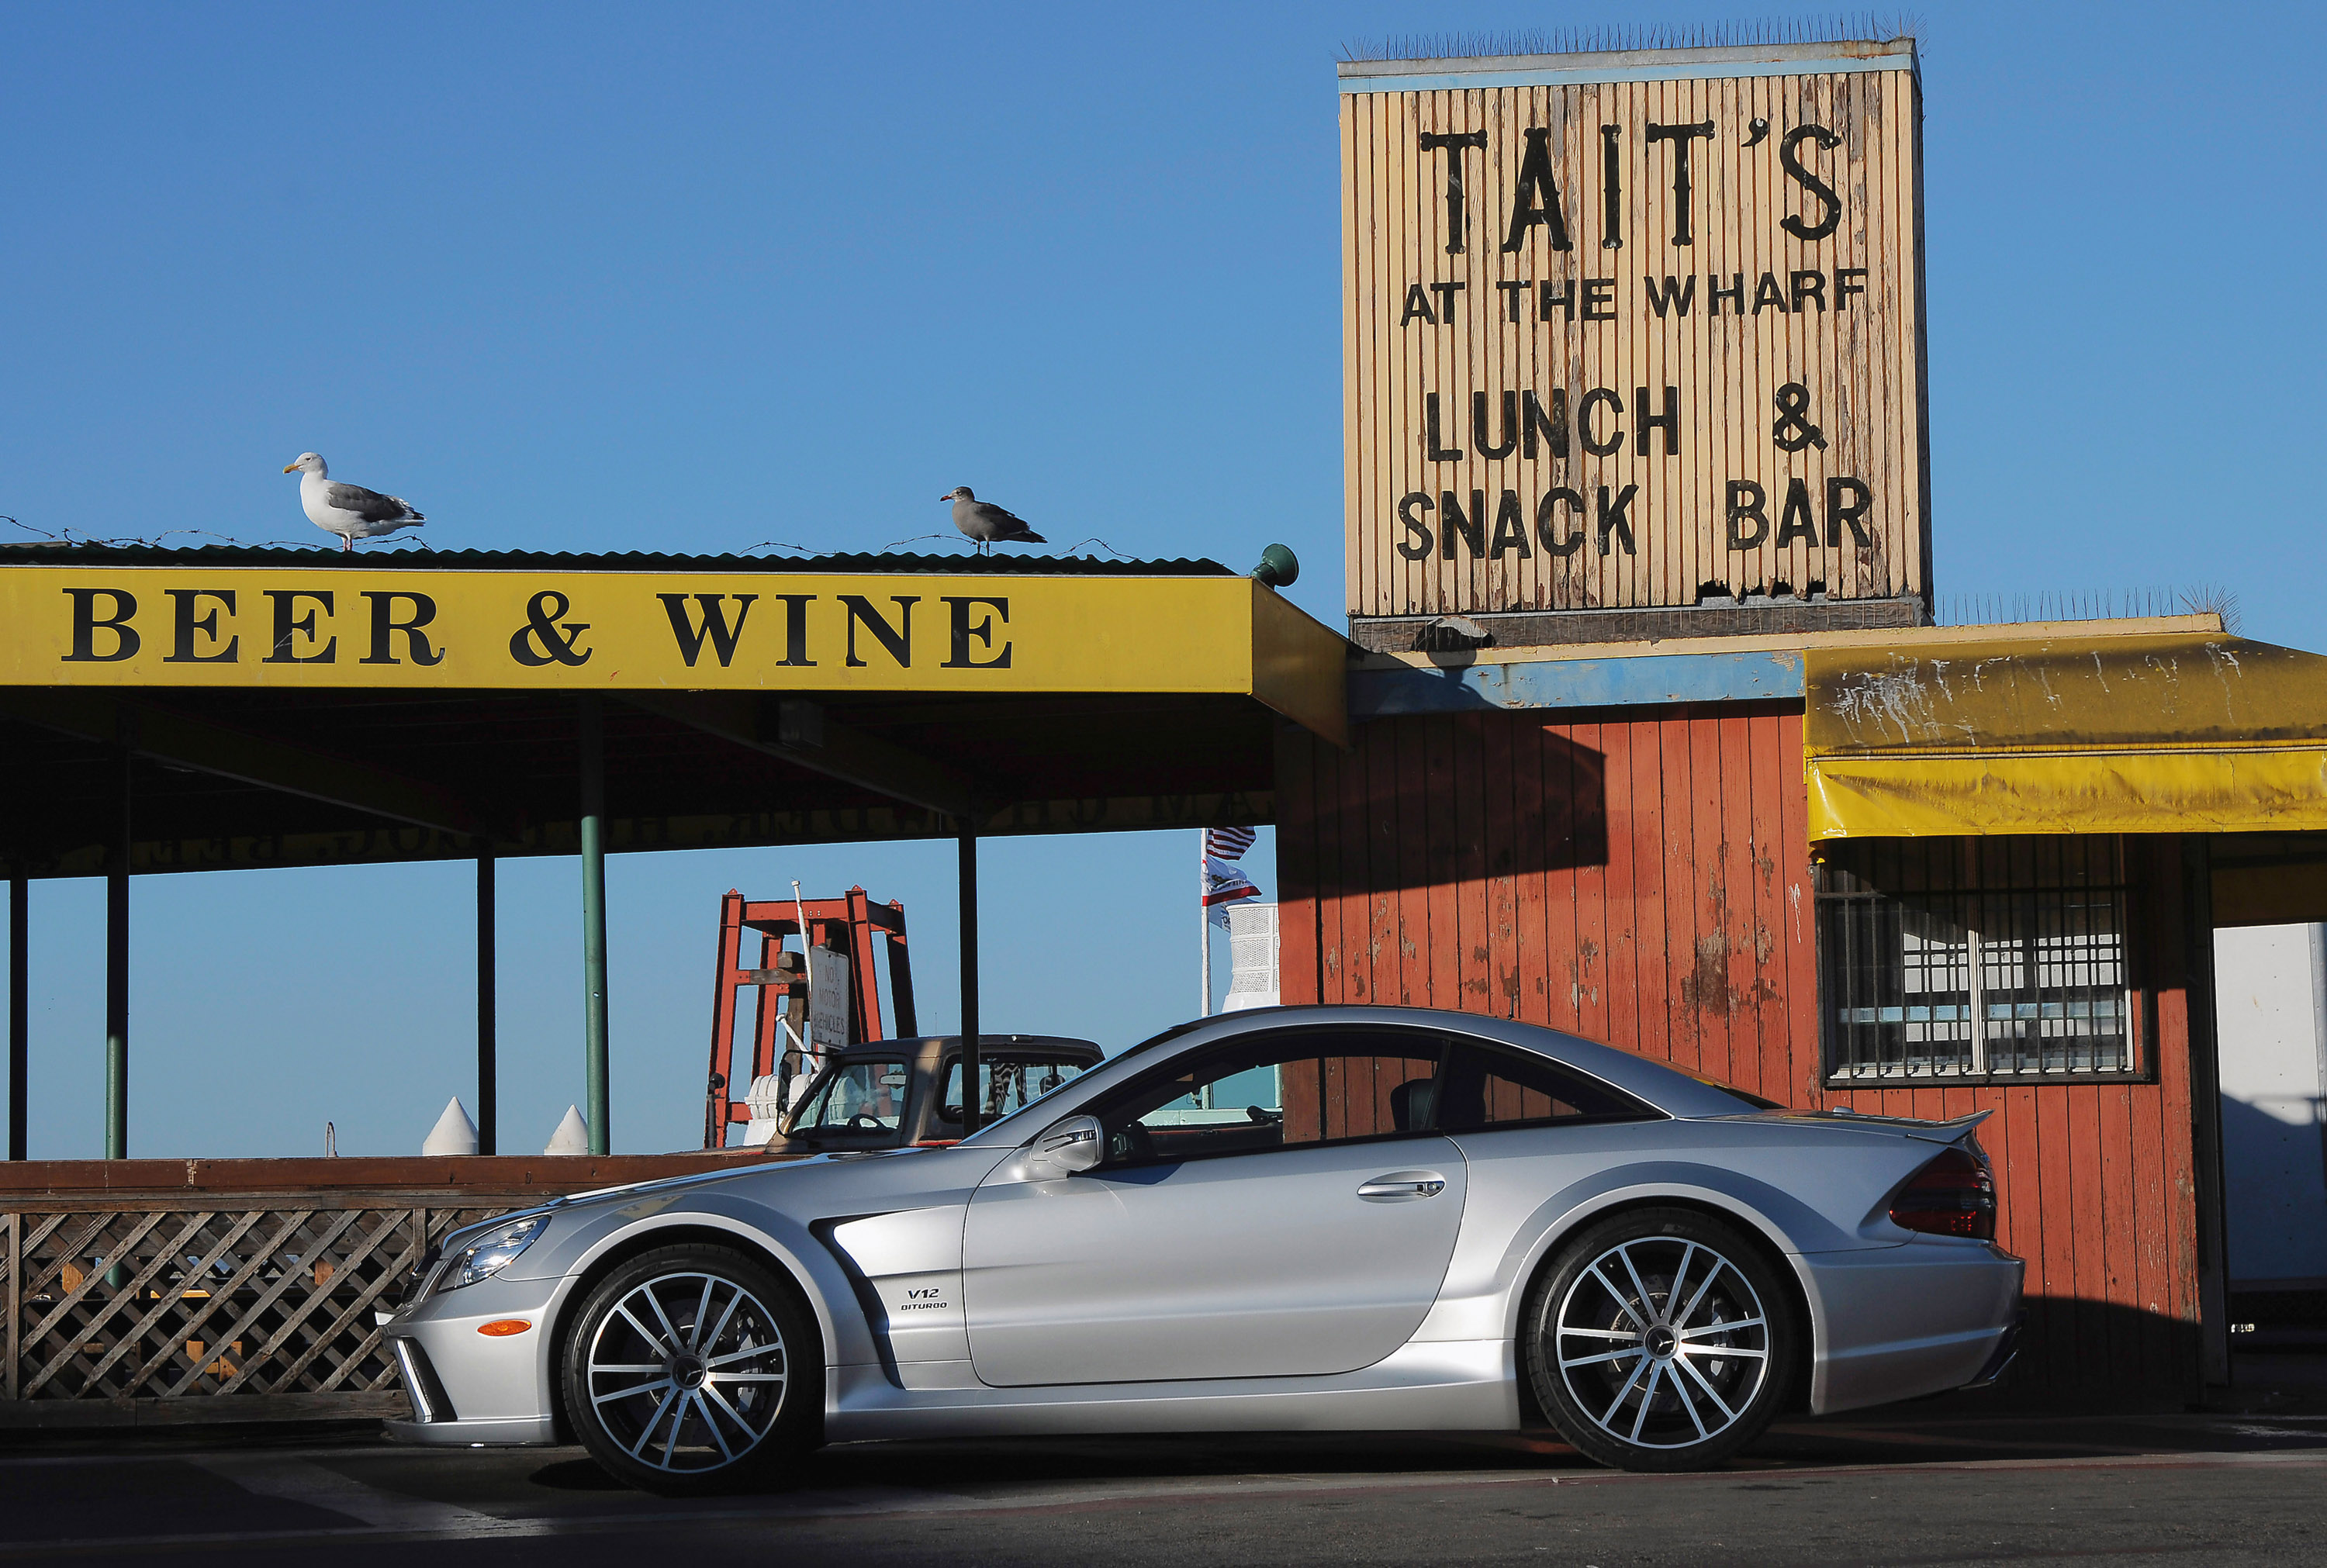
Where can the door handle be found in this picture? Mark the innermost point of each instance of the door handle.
(1402, 1184)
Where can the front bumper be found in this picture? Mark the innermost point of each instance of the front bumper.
(1898, 1322)
(468, 1388)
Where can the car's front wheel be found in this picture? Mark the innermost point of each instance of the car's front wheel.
(693, 1369)
(1660, 1339)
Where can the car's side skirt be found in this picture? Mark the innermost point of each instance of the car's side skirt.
(1459, 1385)
(522, 1432)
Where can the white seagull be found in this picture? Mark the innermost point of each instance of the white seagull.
(348, 511)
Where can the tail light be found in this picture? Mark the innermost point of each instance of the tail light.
(1954, 1195)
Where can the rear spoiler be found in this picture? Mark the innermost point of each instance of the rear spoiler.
(1948, 1132)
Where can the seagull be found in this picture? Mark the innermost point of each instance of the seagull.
(348, 511)
(983, 521)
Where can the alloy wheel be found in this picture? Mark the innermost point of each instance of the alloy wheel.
(686, 1372)
(1662, 1342)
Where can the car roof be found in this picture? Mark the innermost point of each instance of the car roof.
(1062, 1045)
(1668, 1089)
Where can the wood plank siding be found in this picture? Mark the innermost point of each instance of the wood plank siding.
(1518, 259)
(1642, 877)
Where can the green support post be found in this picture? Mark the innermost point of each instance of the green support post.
(593, 919)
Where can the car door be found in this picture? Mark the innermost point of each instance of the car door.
(1273, 1206)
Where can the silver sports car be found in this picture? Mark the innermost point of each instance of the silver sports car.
(1286, 1219)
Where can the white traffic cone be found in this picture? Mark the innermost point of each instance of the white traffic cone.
(573, 1135)
(453, 1133)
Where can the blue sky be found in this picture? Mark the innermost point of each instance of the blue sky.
(699, 277)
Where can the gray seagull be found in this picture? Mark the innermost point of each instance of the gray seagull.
(348, 511)
(988, 523)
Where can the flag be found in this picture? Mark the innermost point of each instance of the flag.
(1225, 883)
(1228, 842)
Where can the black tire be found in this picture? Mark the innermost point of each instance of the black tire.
(666, 1412)
(1640, 1376)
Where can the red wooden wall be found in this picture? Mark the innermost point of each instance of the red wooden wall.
(1641, 876)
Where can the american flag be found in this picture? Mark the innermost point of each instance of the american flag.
(1228, 842)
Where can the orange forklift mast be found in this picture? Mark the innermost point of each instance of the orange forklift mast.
(844, 927)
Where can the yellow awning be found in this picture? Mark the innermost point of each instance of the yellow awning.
(2166, 733)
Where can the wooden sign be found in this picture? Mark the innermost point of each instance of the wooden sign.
(1633, 330)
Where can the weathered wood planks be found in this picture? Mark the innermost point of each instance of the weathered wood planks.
(1659, 857)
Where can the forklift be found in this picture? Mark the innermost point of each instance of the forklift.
(823, 1072)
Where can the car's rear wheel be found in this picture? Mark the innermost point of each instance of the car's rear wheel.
(693, 1369)
(1660, 1339)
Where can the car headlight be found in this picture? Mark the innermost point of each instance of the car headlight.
(492, 1252)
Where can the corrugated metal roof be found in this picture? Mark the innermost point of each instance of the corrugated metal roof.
(327, 559)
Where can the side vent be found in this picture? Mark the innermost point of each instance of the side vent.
(429, 1401)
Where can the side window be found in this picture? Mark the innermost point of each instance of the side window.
(1272, 1091)
(1487, 1088)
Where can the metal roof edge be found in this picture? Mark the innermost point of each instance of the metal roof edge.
(1358, 76)
(1733, 676)
(2206, 624)
(84, 556)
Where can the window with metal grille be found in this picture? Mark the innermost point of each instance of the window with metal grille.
(1980, 960)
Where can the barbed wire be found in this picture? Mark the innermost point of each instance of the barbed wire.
(1102, 544)
(953, 539)
(2005, 608)
(413, 543)
(153, 542)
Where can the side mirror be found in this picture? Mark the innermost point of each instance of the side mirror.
(1073, 1145)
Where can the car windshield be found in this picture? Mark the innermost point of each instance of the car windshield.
(866, 1094)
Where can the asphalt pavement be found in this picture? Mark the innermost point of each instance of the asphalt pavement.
(1900, 1487)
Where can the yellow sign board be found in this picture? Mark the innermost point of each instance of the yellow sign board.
(1630, 329)
(580, 631)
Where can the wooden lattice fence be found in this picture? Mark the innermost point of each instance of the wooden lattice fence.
(215, 1305)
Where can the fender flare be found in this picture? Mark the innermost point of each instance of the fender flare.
(1564, 1214)
(809, 1265)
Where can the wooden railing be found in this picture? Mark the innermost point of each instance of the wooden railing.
(189, 1291)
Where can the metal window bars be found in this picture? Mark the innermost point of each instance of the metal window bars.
(1988, 960)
